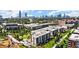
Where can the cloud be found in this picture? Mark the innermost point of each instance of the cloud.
(53, 12)
(8, 13)
(39, 12)
(29, 15)
(73, 14)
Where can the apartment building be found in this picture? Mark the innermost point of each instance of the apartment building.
(44, 35)
(53, 30)
(40, 36)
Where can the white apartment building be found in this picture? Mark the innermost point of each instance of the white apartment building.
(43, 35)
(40, 36)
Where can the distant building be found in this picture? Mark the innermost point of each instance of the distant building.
(59, 15)
(11, 25)
(25, 14)
(35, 26)
(61, 22)
(72, 21)
(1, 19)
(19, 14)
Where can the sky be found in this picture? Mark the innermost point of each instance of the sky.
(15, 13)
(39, 4)
(10, 8)
(38, 13)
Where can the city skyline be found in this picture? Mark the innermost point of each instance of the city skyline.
(38, 13)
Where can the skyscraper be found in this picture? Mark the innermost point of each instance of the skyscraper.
(19, 14)
(25, 14)
(0, 16)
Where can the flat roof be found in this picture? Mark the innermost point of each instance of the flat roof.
(34, 24)
(70, 25)
(40, 32)
(57, 27)
(76, 31)
(9, 23)
(31, 25)
(74, 37)
(43, 31)
(50, 28)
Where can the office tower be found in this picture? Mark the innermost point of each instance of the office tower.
(25, 14)
(59, 15)
(0, 16)
(19, 14)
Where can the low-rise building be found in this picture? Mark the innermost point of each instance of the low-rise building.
(43, 35)
(32, 26)
(35, 26)
(73, 41)
(76, 31)
(68, 26)
(53, 30)
(40, 36)
(11, 25)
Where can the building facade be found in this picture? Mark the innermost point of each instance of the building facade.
(11, 26)
(73, 41)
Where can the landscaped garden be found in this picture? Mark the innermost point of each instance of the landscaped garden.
(2, 34)
(20, 34)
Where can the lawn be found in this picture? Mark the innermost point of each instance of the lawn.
(19, 34)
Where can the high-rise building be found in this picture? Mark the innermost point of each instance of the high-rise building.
(25, 14)
(59, 15)
(0, 17)
(19, 14)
